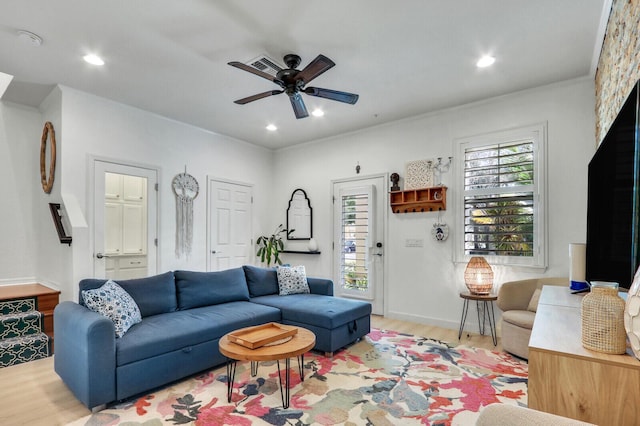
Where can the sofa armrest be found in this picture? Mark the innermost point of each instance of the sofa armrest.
(320, 286)
(85, 353)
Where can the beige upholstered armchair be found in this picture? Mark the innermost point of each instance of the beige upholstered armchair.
(518, 301)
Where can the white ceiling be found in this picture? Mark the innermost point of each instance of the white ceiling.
(403, 58)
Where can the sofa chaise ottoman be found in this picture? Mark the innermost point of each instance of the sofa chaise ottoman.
(336, 322)
(183, 316)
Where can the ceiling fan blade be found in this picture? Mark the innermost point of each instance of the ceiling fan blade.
(334, 95)
(299, 109)
(315, 68)
(259, 73)
(258, 96)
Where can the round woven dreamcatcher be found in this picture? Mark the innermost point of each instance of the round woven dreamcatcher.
(186, 189)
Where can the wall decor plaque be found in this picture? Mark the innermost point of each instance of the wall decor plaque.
(419, 174)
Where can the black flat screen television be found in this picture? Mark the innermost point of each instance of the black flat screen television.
(613, 210)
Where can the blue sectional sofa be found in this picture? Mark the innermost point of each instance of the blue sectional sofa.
(184, 314)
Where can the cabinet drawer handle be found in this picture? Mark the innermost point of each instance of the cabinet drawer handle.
(136, 263)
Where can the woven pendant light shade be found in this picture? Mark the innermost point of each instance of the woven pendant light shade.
(478, 276)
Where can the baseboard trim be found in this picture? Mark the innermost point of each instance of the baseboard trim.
(17, 281)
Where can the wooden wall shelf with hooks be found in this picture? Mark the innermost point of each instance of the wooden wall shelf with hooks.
(419, 200)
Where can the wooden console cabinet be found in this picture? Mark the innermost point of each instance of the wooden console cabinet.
(571, 381)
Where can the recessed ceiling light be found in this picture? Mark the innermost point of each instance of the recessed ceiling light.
(29, 37)
(318, 112)
(93, 59)
(271, 127)
(485, 61)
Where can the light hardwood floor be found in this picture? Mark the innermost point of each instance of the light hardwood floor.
(33, 394)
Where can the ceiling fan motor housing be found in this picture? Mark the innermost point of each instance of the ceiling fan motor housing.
(292, 60)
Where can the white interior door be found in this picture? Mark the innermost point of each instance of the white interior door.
(229, 242)
(125, 221)
(358, 239)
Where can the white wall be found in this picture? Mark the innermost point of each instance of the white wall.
(96, 127)
(422, 284)
(54, 267)
(20, 131)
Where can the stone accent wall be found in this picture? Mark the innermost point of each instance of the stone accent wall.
(619, 64)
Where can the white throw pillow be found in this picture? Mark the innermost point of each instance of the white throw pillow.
(292, 280)
(115, 303)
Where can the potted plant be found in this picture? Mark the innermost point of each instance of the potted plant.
(270, 246)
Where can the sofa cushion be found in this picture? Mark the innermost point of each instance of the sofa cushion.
(292, 280)
(111, 301)
(323, 311)
(535, 298)
(165, 333)
(154, 295)
(196, 289)
(261, 281)
(522, 319)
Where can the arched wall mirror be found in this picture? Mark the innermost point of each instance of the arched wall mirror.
(299, 216)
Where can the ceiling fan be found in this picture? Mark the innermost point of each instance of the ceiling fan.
(293, 82)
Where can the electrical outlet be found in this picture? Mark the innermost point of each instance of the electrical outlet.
(414, 242)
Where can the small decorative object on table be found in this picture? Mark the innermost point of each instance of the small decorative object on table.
(577, 255)
(270, 246)
(261, 335)
(478, 276)
(395, 178)
(603, 319)
(313, 245)
(632, 315)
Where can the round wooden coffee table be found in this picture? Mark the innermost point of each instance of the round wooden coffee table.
(297, 346)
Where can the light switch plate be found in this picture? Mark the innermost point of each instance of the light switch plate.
(414, 242)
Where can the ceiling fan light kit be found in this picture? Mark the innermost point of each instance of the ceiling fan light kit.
(293, 81)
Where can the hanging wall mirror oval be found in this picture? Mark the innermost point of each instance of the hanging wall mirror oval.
(299, 216)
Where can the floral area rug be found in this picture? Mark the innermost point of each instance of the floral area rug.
(388, 378)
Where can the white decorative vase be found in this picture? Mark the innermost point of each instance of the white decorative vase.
(313, 245)
(632, 315)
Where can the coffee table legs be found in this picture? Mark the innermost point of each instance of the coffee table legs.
(287, 366)
(284, 394)
(231, 376)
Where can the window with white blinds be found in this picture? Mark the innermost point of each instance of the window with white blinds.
(498, 201)
(501, 198)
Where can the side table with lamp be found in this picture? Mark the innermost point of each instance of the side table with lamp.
(478, 277)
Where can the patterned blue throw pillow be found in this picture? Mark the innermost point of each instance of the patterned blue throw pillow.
(292, 280)
(114, 303)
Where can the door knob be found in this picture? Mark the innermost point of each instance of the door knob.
(100, 255)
